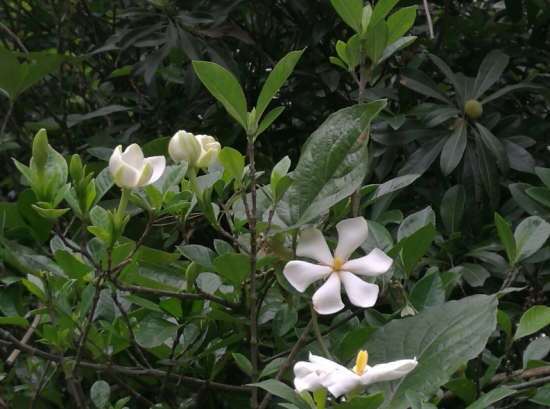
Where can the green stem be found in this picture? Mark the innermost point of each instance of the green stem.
(122, 205)
(318, 332)
(192, 173)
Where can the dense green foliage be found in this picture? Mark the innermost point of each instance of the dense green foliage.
(174, 294)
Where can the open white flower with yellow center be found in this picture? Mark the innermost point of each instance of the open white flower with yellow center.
(132, 170)
(337, 268)
(323, 373)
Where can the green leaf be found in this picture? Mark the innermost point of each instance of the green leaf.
(174, 177)
(513, 88)
(100, 394)
(362, 402)
(491, 397)
(464, 388)
(400, 22)
(387, 188)
(460, 96)
(507, 238)
(272, 367)
(278, 388)
(422, 83)
(454, 149)
(332, 166)
(40, 69)
(235, 267)
(422, 158)
(285, 319)
(199, 254)
(518, 191)
(530, 235)
(535, 319)
(224, 87)
(155, 332)
(474, 274)
(350, 11)
(442, 338)
(490, 71)
(381, 10)
(416, 245)
(376, 41)
(452, 207)
(100, 218)
(438, 116)
(396, 46)
(496, 148)
(11, 74)
(72, 265)
(428, 292)
(103, 183)
(269, 118)
(536, 350)
(544, 175)
(415, 222)
(489, 173)
(243, 362)
(142, 302)
(276, 79)
(233, 162)
(17, 321)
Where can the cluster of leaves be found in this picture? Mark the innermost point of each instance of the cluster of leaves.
(189, 308)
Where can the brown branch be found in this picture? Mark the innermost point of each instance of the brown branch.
(124, 370)
(286, 365)
(13, 356)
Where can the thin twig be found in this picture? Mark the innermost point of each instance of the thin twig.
(13, 356)
(429, 19)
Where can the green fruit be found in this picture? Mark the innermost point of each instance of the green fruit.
(473, 109)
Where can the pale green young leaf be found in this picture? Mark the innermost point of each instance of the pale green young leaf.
(534, 319)
(233, 162)
(269, 118)
(350, 11)
(100, 394)
(400, 22)
(381, 10)
(224, 87)
(376, 41)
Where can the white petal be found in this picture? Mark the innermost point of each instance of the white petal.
(115, 162)
(389, 371)
(339, 382)
(306, 377)
(327, 299)
(373, 264)
(158, 163)
(359, 292)
(127, 177)
(312, 244)
(300, 274)
(175, 151)
(351, 234)
(146, 173)
(133, 156)
(326, 364)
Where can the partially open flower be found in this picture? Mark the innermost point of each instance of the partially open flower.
(338, 268)
(323, 373)
(132, 170)
(199, 151)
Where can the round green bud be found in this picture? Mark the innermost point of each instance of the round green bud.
(473, 109)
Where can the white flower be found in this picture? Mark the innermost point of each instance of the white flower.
(323, 373)
(200, 151)
(131, 170)
(338, 268)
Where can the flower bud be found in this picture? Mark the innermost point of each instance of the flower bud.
(40, 150)
(132, 170)
(198, 150)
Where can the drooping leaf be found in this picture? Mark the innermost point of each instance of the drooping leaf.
(422, 83)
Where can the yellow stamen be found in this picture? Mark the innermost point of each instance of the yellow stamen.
(337, 264)
(361, 363)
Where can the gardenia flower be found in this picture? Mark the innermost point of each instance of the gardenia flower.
(323, 373)
(200, 151)
(337, 268)
(132, 170)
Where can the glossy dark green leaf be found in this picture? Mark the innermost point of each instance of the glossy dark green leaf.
(199, 254)
(491, 397)
(490, 71)
(518, 157)
(464, 388)
(531, 206)
(496, 148)
(452, 208)
(278, 388)
(235, 267)
(416, 245)
(422, 83)
(421, 160)
(488, 173)
(285, 319)
(452, 152)
(451, 77)
(415, 222)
